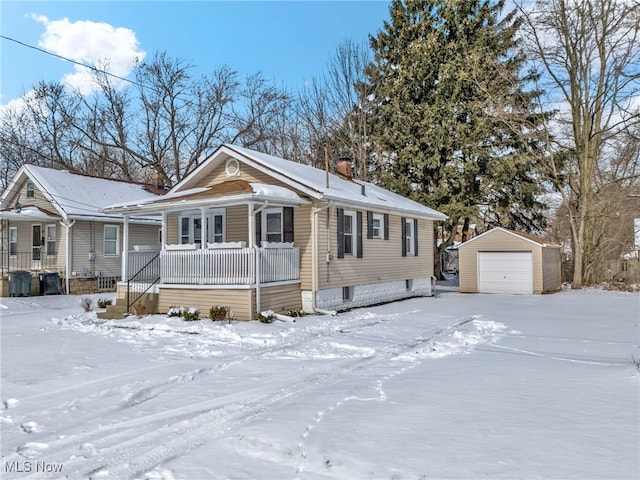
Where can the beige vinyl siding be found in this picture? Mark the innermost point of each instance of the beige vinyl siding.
(551, 262)
(140, 234)
(302, 239)
(280, 299)
(171, 235)
(247, 173)
(239, 300)
(39, 199)
(382, 259)
(496, 241)
(237, 224)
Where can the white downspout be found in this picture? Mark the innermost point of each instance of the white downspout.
(67, 265)
(314, 258)
(124, 274)
(258, 257)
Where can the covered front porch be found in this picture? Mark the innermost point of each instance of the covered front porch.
(229, 249)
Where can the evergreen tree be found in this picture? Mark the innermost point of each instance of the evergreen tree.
(451, 112)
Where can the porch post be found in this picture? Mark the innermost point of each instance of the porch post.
(203, 228)
(124, 274)
(164, 230)
(252, 224)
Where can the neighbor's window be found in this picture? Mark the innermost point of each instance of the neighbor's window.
(13, 240)
(31, 190)
(51, 239)
(111, 239)
(349, 239)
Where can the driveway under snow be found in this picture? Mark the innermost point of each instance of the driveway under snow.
(451, 387)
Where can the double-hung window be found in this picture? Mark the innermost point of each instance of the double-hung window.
(111, 239)
(31, 190)
(13, 240)
(409, 237)
(273, 225)
(349, 237)
(191, 227)
(51, 239)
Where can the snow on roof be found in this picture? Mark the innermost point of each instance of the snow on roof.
(340, 189)
(77, 195)
(274, 191)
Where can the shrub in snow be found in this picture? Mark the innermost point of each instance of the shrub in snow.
(267, 316)
(295, 313)
(219, 313)
(86, 304)
(191, 314)
(175, 312)
(104, 302)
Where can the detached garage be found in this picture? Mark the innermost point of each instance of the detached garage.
(502, 261)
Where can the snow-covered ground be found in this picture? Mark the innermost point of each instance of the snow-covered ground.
(451, 387)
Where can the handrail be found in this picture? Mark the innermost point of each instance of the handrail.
(156, 259)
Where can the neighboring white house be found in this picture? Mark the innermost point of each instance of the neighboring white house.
(52, 220)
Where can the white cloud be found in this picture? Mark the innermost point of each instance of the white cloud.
(113, 49)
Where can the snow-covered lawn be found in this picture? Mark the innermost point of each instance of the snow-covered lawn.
(451, 387)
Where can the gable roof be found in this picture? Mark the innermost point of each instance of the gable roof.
(74, 196)
(310, 181)
(525, 236)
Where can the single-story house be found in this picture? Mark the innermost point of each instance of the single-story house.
(52, 221)
(504, 261)
(255, 232)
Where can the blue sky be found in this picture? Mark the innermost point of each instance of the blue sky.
(290, 41)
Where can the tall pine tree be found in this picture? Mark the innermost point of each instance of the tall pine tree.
(451, 113)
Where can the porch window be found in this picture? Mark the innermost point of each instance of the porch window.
(111, 236)
(51, 239)
(191, 227)
(273, 222)
(13, 240)
(31, 190)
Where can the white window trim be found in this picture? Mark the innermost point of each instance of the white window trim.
(379, 218)
(354, 234)
(48, 241)
(13, 229)
(208, 222)
(117, 240)
(263, 227)
(30, 190)
(409, 237)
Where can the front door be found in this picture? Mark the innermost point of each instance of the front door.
(36, 247)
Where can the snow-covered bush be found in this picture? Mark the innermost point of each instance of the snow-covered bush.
(268, 316)
(296, 313)
(191, 314)
(218, 313)
(175, 312)
(104, 302)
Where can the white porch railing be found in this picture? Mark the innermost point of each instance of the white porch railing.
(228, 266)
(139, 259)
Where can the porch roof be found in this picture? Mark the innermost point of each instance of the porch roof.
(235, 192)
(28, 213)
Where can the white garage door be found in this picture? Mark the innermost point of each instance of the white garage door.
(505, 272)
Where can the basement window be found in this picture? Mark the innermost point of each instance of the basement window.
(347, 294)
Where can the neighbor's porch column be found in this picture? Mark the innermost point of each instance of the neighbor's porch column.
(125, 248)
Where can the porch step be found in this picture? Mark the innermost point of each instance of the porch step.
(113, 312)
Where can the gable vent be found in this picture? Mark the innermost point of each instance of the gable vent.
(232, 168)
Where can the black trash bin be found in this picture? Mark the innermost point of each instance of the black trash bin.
(19, 283)
(50, 283)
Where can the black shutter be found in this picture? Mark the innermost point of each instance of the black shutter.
(258, 228)
(369, 225)
(404, 236)
(287, 213)
(340, 221)
(415, 236)
(359, 233)
(386, 226)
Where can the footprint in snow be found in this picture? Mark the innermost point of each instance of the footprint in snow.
(31, 427)
(32, 449)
